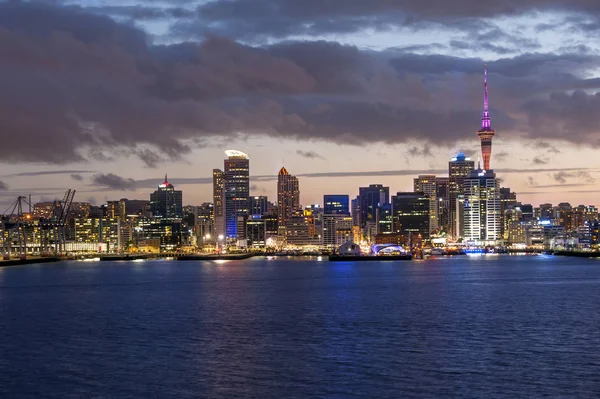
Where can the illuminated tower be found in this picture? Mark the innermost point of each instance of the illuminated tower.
(486, 133)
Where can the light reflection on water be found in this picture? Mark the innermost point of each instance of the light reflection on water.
(499, 326)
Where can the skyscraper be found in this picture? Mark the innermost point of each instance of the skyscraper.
(288, 197)
(370, 199)
(483, 221)
(166, 202)
(486, 133)
(458, 169)
(411, 213)
(218, 203)
(336, 204)
(237, 190)
(427, 184)
(258, 205)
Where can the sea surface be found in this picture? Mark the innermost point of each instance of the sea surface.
(472, 327)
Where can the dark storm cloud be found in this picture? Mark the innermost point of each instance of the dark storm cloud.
(88, 87)
(251, 19)
(76, 177)
(143, 12)
(113, 182)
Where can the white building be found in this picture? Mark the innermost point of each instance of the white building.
(482, 208)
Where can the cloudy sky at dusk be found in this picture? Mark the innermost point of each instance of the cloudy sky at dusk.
(106, 96)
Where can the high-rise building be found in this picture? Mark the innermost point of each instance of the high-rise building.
(486, 133)
(458, 169)
(355, 211)
(427, 184)
(259, 205)
(336, 204)
(442, 185)
(218, 202)
(288, 197)
(385, 219)
(236, 184)
(369, 200)
(166, 202)
(482, 206)
(411, 214)
(116, 209)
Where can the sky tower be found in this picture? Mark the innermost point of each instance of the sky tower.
(486, 133)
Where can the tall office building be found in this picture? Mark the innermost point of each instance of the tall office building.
(482, 207)
(259, 205)
(288, 197)
(486, 133)
(428, 184)
(411, 214)
(166, 202)
(236, 192)
(443, 202)
(336, 204)
(458, 169)
(218, 202)
(369, 200)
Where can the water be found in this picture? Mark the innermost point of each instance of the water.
(487, 327)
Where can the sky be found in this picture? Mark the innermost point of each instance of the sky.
(108, 96)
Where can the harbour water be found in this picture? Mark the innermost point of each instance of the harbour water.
(477, 327)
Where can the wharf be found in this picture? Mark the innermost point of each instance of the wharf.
(29, 261)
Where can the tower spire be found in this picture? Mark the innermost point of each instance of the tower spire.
(486, 133)
(486, 122)
(166, 177)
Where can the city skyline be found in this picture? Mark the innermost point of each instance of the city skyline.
(422, 101)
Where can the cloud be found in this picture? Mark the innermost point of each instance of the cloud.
(3, 186)
(264, 19)
(104, 91)
(501, 156)
(415, 151)
(51, 172)
(563, 176)
(539, 161)
(309, 154)
(76, 177)
(113, 182)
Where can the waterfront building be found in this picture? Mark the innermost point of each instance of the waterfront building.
(336, 230)
(411, 214)
(288, 198)
(219, 201)
(428, 184)
(97, 231)
(482, 218)
(256, 228)
(442, 186)
(236, 183)
(166, 202)
(458, 169)
(385, 219)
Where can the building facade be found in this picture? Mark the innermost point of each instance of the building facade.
(482, 207)
(236, 185)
